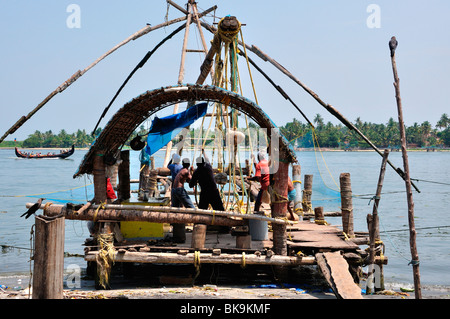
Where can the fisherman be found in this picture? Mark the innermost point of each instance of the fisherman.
(174, 165)
(262, 175)
(292, 193)
(181, 198)
(204, 176)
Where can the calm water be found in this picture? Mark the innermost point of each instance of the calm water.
(27, 177)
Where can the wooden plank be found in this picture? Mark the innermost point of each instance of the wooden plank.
(335, 269)
(345, 245)
(310, 236)
(306, 225)
(342, 278)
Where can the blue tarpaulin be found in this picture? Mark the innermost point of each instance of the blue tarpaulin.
(163, 130)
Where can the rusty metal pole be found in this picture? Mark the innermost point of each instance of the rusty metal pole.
(409, 196)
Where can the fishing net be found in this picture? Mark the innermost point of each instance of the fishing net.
(325, 187)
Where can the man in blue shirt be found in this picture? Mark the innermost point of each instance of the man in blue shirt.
(174, 166)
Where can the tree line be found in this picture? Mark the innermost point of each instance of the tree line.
(50, 140)
(387, 135)
(300, 134)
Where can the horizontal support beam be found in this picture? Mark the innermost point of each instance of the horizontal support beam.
(205, 258)
(156, 213)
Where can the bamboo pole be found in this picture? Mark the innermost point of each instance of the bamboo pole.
(408, 183)
(328, 107)
(79, 73)
(152, 213)
(374, 231)
(207, 258)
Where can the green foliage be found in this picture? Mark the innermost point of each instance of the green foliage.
(382, 135)
(61, 140)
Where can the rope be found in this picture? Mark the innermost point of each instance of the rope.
(105, 257)
(31, 258)
(248, 65)
(47, 205)
(196, 264)
(315, 139)
(41, 194)
(284, 199)
(102, 206)
(243, 265)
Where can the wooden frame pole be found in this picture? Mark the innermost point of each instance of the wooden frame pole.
(374, 230)
(409, 196)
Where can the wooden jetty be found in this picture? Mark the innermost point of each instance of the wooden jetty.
(311, 241)
(141, 230)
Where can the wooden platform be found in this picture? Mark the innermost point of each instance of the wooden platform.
(304, 236)
(311, 236)
(321, 245)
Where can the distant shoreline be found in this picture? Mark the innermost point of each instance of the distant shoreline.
(326, 149)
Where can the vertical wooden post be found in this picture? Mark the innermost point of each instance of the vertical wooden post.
(99, 179)
(318, 215)
(296, 180)
(244, 241)
(48, 273)
(375, 229)
(153, 183)
(124, 176)
(307, 193)
(346, 204)
(409, 197)
(198, 236)
(180, 75)
(279, 206)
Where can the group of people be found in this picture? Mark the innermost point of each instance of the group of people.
(203, 175)
(182, 172)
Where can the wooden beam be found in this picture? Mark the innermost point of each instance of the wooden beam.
(206, 258)
(144, 213)
(335, 270)
(408, 184)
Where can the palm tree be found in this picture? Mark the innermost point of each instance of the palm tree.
(425, 130)
(318, 120)
(443, 122)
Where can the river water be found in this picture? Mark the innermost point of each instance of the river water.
(20, 178)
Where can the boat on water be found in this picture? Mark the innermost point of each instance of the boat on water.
(61, 154)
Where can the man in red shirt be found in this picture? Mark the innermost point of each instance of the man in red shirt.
(262, 175)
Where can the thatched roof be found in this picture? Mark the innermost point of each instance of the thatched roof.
(132, 114)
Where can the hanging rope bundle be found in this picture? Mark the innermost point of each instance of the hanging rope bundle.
(105, 258)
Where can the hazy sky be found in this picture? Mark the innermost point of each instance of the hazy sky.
(337, 48)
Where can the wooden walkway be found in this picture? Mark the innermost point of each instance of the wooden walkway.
(310, 236)
(308, 244)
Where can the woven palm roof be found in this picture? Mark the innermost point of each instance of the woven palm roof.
(132, 114)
